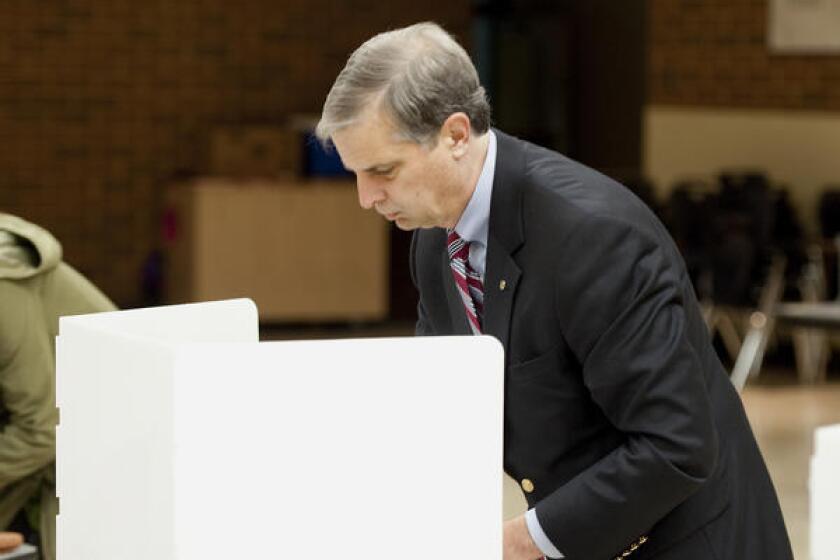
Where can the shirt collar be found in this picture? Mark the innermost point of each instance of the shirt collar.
(473, 225)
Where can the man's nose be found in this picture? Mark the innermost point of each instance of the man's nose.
(369, 193)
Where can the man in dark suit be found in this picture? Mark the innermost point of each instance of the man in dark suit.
(620, 422)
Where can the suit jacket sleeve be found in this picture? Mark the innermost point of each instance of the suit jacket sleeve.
(621, 300)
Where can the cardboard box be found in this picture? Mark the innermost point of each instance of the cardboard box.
(305, 252)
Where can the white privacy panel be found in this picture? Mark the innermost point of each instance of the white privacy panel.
(232, 320)
(114, 467)
(825, 493)
(369, 449)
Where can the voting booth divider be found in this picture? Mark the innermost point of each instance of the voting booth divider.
(182, 437)
(825, 493)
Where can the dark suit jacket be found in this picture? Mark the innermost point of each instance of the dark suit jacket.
(616, 406)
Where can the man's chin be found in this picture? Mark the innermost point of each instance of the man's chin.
(405, 225)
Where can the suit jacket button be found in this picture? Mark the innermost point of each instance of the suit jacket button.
(527, 485)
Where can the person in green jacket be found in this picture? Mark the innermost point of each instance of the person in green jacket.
(36, 288)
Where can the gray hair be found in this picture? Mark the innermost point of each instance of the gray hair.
(419, 74)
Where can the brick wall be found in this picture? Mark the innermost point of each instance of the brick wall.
(103, 101)
(714, 53)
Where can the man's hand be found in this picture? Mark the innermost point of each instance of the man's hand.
(10, 541)
(518, 544)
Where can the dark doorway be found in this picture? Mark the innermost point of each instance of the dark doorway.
(567, 74)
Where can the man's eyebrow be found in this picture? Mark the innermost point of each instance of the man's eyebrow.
(380, 166)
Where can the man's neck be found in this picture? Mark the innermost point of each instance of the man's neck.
(479, 156)
(472, 171)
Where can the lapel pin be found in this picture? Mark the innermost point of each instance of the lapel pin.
(502, 285)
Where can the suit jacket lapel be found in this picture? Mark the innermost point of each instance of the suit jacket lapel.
(505, 237)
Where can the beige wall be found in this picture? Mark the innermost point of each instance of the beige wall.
(798, 148)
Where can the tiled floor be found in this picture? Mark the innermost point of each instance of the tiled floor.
(784, 419)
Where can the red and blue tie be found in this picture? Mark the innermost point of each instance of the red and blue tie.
(468, 281)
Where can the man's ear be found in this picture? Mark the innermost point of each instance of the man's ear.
(456, 134)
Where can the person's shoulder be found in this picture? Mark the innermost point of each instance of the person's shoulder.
(17, 309)
(575, 201)
(569, 198)
(544, 172)
(557, 184)
(73, 293)
(15, 295)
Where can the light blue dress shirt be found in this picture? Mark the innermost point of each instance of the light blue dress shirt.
(472, 227)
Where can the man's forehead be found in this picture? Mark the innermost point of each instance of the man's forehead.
(369, 142)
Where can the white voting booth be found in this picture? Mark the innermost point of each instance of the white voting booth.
(825, 494)
(184, 438)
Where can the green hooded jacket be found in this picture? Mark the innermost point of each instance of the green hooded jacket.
(36, 288)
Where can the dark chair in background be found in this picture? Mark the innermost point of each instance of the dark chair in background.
(829, 216)
(813, 313)
(688, 215)
(745, 251)
(739, 238)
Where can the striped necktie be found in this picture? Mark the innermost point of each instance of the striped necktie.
(468, 281)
